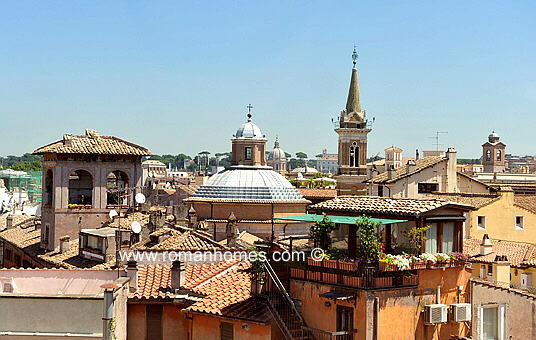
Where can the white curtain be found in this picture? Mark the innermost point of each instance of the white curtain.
(431, 239)
(448, 237)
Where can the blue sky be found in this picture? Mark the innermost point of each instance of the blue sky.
(177, 76)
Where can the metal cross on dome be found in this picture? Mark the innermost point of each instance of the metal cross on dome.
(354, 56)
(249, 107)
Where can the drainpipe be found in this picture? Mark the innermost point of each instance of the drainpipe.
(438, 294)
(108, 313)
(376, 317)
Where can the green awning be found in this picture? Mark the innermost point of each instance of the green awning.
(336, 219)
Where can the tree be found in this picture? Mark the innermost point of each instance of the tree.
(302, 156)
(319, 155)
(369, 248)
(321, 232)
(288, 155)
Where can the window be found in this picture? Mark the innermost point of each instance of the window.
(380, 190)
(431, 239)
(519, 222)
(499, 155)
(116, 182)
(427, 188)
(492, 322)
(248, 153)
(226, 331)
(448, 237)
(482, 271)
(80, 188)
(481, 222)
(154, 321)
(488, 155)
(354, 155)
(9, 254)
(49, 181)
(17, 260)
(345, 318)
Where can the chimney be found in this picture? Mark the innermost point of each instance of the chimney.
(178, 275)
(68, 139)
(411, 166)
(132, 273)
(507, 194)
(64, 244)
(452, 175)
(501, 269)
(192, 218)
(391, 173)
(416, 154)
(9, 221)
(485, 247)
(231, 231)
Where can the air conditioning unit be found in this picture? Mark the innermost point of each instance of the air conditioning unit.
(434, 314)
(460, 312)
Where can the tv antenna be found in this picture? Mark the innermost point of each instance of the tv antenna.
(436, 137)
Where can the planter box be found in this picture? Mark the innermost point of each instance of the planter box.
(312, 262)
(297, 273)
(347, 266)
(331, 278)
(313, 276)
(418, 265)
(383, 282)
(330, 264)
(353, 281)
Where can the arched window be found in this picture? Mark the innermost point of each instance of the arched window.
(81, 188)
(488, 155)
(116, 183)
(49, 184)
(499, 155)
(354, 155)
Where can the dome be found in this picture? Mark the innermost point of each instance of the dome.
(277, 154)
(248, 184)
(249, 130)
(493, 135)
(305, 169)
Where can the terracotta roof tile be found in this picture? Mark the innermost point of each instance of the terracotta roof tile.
(318, 193)
(382, 205)
(92, 143)
(421, 164)
(516, 253)
(19, 220)
(474, 200)
(527, 202)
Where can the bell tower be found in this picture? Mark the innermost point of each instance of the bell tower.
(493, 157)
(352, 130)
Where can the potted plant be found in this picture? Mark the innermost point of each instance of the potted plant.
(416, 237)
(321, 232)
(369, 248)
(257, 272)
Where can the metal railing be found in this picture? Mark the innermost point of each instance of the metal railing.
(319, 334)
(283, 308)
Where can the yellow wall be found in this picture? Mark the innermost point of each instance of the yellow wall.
(500, 221)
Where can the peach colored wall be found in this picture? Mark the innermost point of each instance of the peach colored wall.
(174, 323)
(245, 211)
(208, 327)
(400, 313)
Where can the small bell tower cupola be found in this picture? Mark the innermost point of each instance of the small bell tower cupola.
(249, 144)
(493, 157)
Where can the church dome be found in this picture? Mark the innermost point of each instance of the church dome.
(249, 130)
(493, 135)
(277, 154)
(248, 184)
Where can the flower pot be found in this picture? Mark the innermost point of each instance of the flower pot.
(312, 262)
(347, 266)
(329, 264)
(256, 287)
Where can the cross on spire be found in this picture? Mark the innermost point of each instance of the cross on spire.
(249, 107)
(354, 56)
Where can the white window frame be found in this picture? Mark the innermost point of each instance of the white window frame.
(501, 319)
(522, 227)
(478, 227)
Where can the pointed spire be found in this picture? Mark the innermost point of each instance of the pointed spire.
(276, 141)
(353, 104)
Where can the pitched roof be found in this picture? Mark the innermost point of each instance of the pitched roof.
(92, 143)
(413, 207)
(19, 220)
(527, 202)
(421, 164)
(318, 193)
(516, 253)
(474, 200)
(180, 238)
(230, 296)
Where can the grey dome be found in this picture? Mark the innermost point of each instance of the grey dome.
(277, 154)
(493, 135)
(249, 130)
(248, 184)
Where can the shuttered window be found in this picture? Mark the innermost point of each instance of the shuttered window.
(227, 330)
(154, 322)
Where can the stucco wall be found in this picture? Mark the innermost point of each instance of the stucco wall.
(52, 315)
(500, 221)
(208, 328)
(174, 323)
(520, 315)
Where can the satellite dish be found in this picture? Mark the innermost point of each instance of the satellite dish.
(136, 227)
(113, 214)
(140, 198)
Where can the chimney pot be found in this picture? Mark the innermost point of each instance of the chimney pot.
(9, 221)
(132, 273)
(64, 244)
(391, 173)
(178, 275)
(486, 247)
